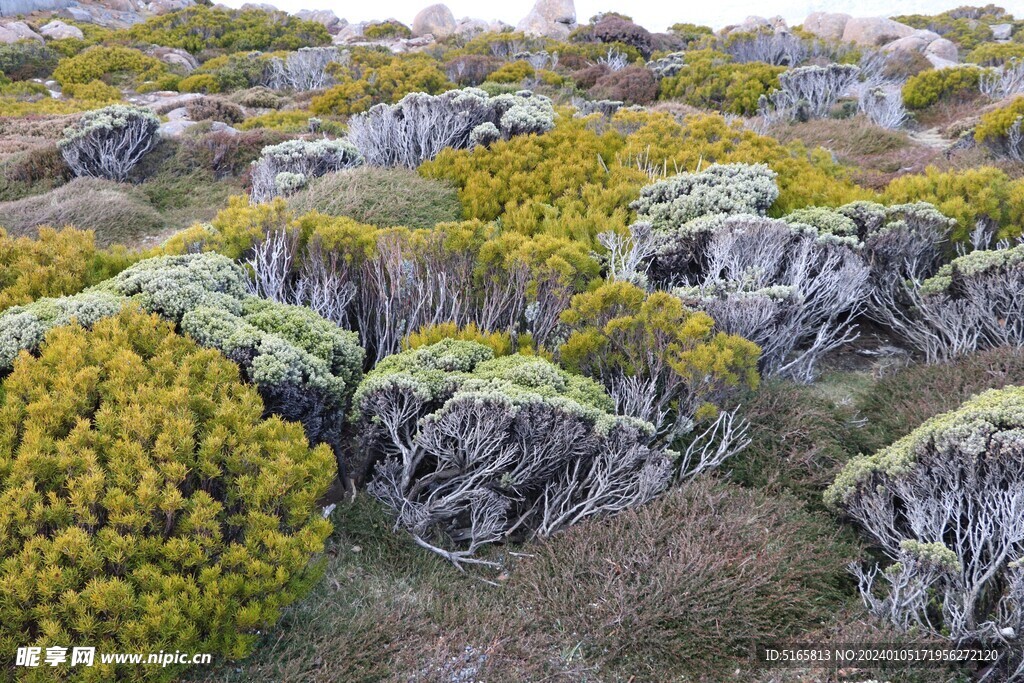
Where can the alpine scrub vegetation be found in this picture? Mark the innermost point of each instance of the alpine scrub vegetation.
(285, 168)
(470, 449)
(147, 505)
(943, 503)
(305, 368)
(109, 142)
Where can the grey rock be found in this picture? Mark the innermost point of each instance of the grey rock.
(58, 30)
(826, 25)
(17, 30)
(436, 20)
(874, 31)
(1001, 31)
(329, 19)
(550, 18)
(11, 8)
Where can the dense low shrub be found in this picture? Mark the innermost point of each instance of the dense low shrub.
(660, 363)
(995, 54)
(285, 168)
(387, 29)
(305, 367)
(984, 194)
(631, 85)
(214, 109)
(767, 46)
(111, 64)
(613, 28)
(146, 504)
(420, 125)
(966, 26)
(117, 213)
(720, 189)
(1001, 129)
(972, 303)
(380, 196)
(109, 142)
(472, 450)
(712, 80)
(96, 91)
(375, 81)
(943, 503)
(27, 59)
(199, 27)
(738, 564)
(236, 71)
(54, 264)
(929, 87)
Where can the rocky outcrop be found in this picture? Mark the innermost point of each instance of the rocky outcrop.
(467, 27)
(329, 19)
(874, 31)
(1001, 32)
(175, 57)
(101, 16)
(826, 25)
(753, 24)
(550, 18)
(167, 6)
(436, 20)
(17, 30)
(11, 8)
(58, 30)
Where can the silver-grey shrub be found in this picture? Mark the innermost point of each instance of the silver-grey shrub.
(976, 302)
(419, 126)
(787, 287)
(304, 69)
(719, 189)
(109, 142)
(288, 166)
(468, 449)
(809, 92)
(945, 505)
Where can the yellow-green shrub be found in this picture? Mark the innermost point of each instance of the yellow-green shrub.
(109, 64)
(287, 121)
(96, 91)
(994, 54)
(995, 124)
(968, 195)
(711, 80)
(934, 85)
(387, 29)
(361, 86)
(200, 83)
(198, 28)
(513, 72)
(577, 182)
(54, 264)
(146, 505)
(499, 342)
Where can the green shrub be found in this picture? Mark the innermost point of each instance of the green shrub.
(146, 506)
(199, 28)
(1001, 129)
(56, 263)
(965, 26)
(114, 65)
(935, 85)
(97, 91)
(387, 29)
(200, 83)
(305, 367)
(711, 80)
(380, 196)
(27, 59)
(359, 87)
(109, 142)
(995, 54)
(973, 194)
(116, 212)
